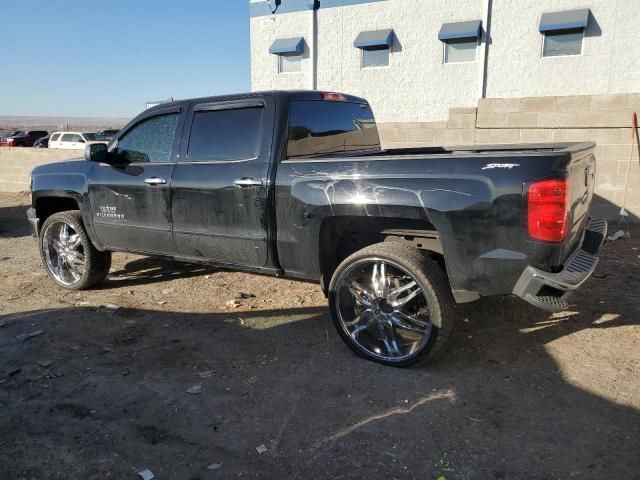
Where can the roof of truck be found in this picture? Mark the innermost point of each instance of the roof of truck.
(277, 94)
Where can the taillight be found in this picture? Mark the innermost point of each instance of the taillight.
(547, 210)
(333, 97)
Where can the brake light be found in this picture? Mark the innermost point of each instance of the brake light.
(333, 97)
(547, 210)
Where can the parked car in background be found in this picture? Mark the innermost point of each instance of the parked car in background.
(23, 139)
(42, 142)
(107, 134)
(74, 140)
(12, 133)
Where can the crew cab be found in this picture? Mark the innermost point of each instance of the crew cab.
(296, 184)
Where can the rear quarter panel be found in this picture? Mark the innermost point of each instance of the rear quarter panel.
(474, 201)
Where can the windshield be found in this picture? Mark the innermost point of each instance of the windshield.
(323, 127)
(91, 137)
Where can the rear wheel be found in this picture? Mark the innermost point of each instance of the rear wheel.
(391, 304)
(68, 255)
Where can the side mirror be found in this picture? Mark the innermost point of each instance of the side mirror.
(96, 152)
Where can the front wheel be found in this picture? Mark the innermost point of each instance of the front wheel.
(68, 255)
(391, 304)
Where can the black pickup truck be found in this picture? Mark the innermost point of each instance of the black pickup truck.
(296, 184)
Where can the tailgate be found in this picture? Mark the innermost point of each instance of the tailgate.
(581, 182)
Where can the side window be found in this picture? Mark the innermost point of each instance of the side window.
(77, 138)
(67, 137)
(223, 135)
(54, 138)
(151, 140)
(291, 63)
(563, 42)
(460, 50)
(375, 57)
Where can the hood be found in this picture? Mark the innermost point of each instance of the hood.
(70, 166)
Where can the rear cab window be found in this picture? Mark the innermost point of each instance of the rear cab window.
(320, 127)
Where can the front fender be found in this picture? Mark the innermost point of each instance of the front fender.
(64, 180)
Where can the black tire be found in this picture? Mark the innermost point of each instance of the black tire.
(96, 263)
(429, 277)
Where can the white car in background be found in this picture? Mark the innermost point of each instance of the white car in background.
(73, 140)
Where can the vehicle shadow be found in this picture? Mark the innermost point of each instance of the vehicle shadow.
(500, 402)
(13, 222)
(147, 270)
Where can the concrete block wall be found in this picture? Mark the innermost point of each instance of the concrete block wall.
(603, 119)
(16, 164)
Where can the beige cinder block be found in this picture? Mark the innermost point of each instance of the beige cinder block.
(539, 104)
(522, 119)
(573, 103)
(491, 120)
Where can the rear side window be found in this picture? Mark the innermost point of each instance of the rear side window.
(225, 135)
(54, 138)
(71, 137)
(323, 127)
(151, 140)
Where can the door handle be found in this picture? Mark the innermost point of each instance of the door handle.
(247, 182)
(155, 181)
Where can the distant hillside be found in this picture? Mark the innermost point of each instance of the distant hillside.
(52, 124)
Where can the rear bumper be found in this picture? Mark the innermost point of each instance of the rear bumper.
(550, 291)
(33, 220)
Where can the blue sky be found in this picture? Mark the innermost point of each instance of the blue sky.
(106, 58)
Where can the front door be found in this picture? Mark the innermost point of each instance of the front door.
(220, 187)
(131, 197)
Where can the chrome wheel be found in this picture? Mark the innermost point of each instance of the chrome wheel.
(383, 309)
(63, 253)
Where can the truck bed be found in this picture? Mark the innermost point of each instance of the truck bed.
(472, 196)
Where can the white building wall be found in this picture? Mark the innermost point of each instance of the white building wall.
(418, 87)
(610, 60)
(264, 65)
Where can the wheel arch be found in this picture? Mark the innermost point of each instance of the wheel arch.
(48, 202)
(341, 236)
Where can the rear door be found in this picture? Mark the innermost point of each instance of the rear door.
(220, 184)
(53, 140)
(131, 200)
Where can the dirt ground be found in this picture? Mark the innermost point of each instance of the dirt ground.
(104, 391)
